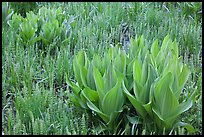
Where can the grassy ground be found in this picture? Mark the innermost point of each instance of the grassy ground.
(35, 97)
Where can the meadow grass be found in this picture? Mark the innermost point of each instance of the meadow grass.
(35, 97)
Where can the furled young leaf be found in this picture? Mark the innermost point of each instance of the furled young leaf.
(81, 58)
(76, 69)
(175, 48)
(144, 70)
(137, 71)
(155, 48)
(97, 62)
(90, 77)
(110, 78)
(83, 73)
(165, 44)
(183, 77)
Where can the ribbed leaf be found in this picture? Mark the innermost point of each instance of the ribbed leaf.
(144, 74)
(90, 78)
(110, 78)
(81, 58)
(183, 77)
(175, 48)
(165, 43)
(83, 73)
(139, 108)
(97, 61)
(100, 113)
(92, 95)
(137, 71)
(164, 97)
(155, 48)
(74, 87)
(99, 83)
(114, 99)
(77, 71)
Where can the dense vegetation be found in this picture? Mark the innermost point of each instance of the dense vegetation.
(59, 58)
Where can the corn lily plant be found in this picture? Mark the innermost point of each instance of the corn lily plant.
(159, 77)
(152, 80)
(99, 84)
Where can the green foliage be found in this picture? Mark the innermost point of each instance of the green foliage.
(6, 13)
(158, 80)
(46, 26)
(98, 85)
(30, 70)
(23, 7)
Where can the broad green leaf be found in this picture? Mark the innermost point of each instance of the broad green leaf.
(165, 44)
(90, 78)
(99, 83)
(76, 69)
(155, 48)
(164, 97)
(184, 106)
(138, 91)
(92, 95)
(144, 70)
(189, 127)
(139, 108)
(114, 99)
(110, 78)
(142, 42)
(137, 70)
(106, 61)
(100, 113)
(175, 47)
(183, 77)
(83, 73)
(148, 108)
(77, 100)
(74, 87)
(97, 61)
(81, 58)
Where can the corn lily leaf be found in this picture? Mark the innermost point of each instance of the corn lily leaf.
(189, 127)
(183, 77)
(99, 83)
(114, 99)
(83, 74)
(137, 71)
(110, 78)
(144, 70)
(76, 69)
(165, 100)
(97, 62)
(155, 48)
(90, 78)
(76, 89)
(100, 113)
(92, 95)
(138, 106)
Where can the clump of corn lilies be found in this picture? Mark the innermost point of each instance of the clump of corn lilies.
(151, 79)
